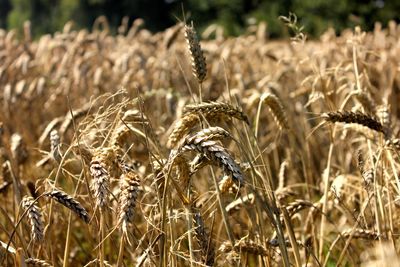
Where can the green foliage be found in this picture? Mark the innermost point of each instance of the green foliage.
(233, 15)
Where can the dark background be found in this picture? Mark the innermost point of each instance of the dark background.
(48, 16)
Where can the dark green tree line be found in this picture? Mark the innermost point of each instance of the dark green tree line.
(234, 16)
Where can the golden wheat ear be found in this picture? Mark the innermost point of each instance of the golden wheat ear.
(277, 109)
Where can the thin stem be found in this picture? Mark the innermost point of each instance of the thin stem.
(121, 250)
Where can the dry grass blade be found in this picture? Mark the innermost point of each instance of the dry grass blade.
(69, 202)
(182, 127)
(239, 203)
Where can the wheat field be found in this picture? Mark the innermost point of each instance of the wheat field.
(175, 149)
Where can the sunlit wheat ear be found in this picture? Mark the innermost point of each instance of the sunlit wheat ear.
(55, 145)
(226, 185)
(194, 112)
(383, 114)
(182, 170)
(18, 149)
(211, 110)
(394, 143)
(244, 246)
(277, 109)
(69, 202)
(130, 183)
(99, 170)
(181, 128)
(199, 66)
(37, 263)
(298, 205)
(204, 240)
(237, 204)
(282, 174)
(354, 117)
(35, 218)
(207, 134)
(217, 155)
(360, 234)
(197, 163)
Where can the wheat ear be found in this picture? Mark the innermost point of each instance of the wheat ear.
(277, 109)
(204, 240)
(215, 109)
(130, 183)
(35, 218)
(101, 179)
(69, 202)
(354, 117)
(199, 66)
(218, 155)
(242, 245)
(37, 262)
(208, 110)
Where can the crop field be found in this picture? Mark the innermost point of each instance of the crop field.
(142, 149)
